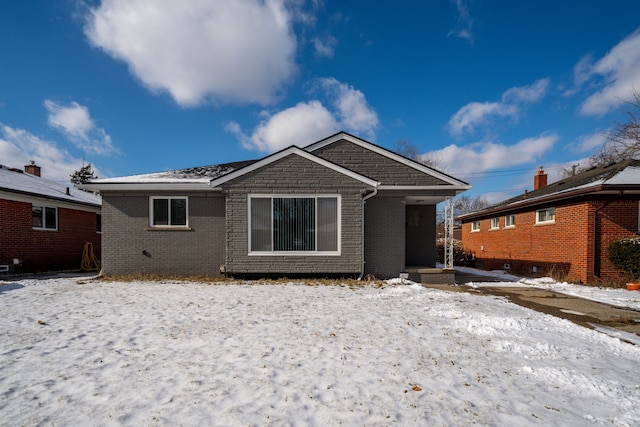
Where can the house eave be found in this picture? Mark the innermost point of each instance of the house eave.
(148, 186)
(598, 190)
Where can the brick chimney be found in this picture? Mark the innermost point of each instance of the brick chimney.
(32, 169)
(540, 180)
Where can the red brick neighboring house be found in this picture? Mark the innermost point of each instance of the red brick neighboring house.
(564, 227)
(44, 225)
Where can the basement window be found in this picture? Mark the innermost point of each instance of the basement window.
(44, 218)
(546, 216)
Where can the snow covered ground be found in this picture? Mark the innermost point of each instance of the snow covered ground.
(182, 353)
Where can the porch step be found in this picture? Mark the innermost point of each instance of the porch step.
(431, 275)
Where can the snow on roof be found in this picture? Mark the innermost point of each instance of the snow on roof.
(14, 180)
(200, 174)
(624, 173)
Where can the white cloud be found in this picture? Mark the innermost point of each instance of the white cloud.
(486, 156)
(74, 121)
(474, 114)
(620, 68)
(19, 147)
(354, 112)
(462, 29)
(307, 122)
(300, 125)
(198, 50)
(587, 143)
(325, 48)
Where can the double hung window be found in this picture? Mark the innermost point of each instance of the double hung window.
(44, 218)
(168, 212)
(475, 226)
(294, 224)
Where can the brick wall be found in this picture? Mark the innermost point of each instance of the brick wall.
(294, 175)
(130, 247)
(575, 244)
(45, 250)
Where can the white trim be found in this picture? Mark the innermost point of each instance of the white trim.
(286, 152)
(147, 186)
(168, 226)
(458, 189)
(338, 198)
(389, 154)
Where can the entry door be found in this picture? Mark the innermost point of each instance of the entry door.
(420, 236)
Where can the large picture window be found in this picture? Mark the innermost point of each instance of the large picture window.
(168, 212)
(44, 218)
(294, 224)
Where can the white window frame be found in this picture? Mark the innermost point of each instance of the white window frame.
(495, 223)
(169, 198)
(44, 217)
(296, 196)
(510, 223)
(546, 221)
(475, 226)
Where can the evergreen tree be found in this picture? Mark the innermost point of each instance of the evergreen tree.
(82, 175)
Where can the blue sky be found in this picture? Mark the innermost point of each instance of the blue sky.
(489, 89)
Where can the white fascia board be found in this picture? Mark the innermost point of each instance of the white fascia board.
(457, 188)
(148, 186)
(383, 152)
(287, 152)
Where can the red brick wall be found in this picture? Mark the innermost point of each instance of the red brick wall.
(569, 245)
(45, 250)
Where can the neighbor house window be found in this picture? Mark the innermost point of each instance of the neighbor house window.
(475, 226)
(294, 224)
(495, 223)
(168, 212)
(546, 215)
(509, 221)
(44, 218)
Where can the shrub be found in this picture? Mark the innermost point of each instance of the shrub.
(624, 254)
(461, 255)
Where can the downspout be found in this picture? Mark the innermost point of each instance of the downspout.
(596, 247)
(364, 200)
